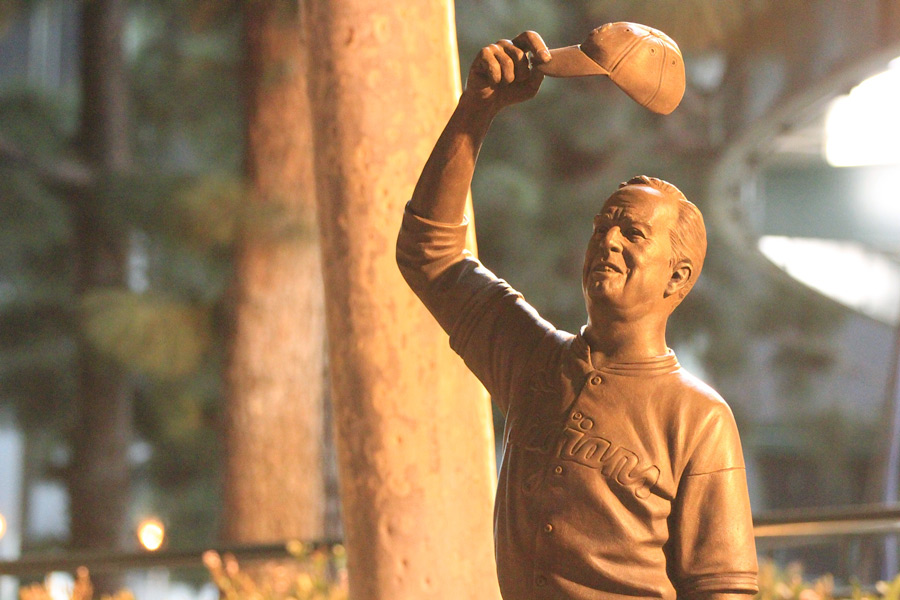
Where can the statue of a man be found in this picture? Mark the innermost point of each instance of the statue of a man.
(622, 475)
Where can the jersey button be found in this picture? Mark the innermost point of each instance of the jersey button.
(595, 380)
(558, 470)
(548, 528)
(540, 581)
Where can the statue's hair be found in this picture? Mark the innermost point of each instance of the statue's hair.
(688, 237)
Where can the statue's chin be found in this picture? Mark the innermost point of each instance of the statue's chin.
(601, 288)
(599, 300)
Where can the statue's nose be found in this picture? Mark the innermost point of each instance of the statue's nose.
(612, 239)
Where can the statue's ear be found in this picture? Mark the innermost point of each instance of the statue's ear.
(681, 277)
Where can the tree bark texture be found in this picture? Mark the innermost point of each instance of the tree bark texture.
(100, 474)
(276, 377)
(415, 445)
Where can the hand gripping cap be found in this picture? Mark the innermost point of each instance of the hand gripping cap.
(644, 62)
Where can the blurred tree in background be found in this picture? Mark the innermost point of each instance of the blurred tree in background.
(99, 472)
(275, 474)
(120, 251)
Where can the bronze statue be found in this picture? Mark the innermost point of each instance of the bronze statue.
(622, 474)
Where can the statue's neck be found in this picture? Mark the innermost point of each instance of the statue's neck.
(615, 340)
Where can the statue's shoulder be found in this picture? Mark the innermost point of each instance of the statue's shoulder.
(700, 395)
(708, 423)
(555, 344)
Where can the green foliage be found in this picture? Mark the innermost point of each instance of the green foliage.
(36, 372)
(38, 123)
(152, 334)
(185, 94)
(210, 210)
(181, 417)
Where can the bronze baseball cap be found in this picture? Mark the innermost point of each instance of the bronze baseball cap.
(644, 62)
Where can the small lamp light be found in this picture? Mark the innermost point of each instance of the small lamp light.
(151, 533)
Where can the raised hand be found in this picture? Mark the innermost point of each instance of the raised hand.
(502, 73)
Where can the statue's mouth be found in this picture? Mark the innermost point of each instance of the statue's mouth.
(606, 267)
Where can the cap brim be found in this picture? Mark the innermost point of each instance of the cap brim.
(570, 62)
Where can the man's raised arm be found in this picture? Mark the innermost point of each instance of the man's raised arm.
(499, 76)
(489, 323)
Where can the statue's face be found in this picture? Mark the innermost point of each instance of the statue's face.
(628, 262)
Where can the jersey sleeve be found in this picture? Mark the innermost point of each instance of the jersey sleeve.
(712, 548)
(490, 325)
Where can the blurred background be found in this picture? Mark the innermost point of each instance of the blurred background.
(124, 187)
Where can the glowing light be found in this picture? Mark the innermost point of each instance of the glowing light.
(844, 271)
(2, 526)
(151, 533)
(879, 192)
(862, 128)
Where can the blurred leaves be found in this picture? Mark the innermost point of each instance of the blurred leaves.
(39, 123)
(185, 90)
(82, 589)
(490, 20)
(211, 210)
(316, 574)
(148, 333)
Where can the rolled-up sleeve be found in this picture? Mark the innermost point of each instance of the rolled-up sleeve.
(489, 323)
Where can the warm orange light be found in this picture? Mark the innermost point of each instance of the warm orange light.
(151, 533)
(2, 526)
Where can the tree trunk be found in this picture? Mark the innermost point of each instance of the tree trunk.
(274, 476)
(415, 446)
(100, 476)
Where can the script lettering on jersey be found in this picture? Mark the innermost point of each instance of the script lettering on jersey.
(575, 443)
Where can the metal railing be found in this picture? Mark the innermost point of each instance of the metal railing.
(773, 530)
(106, 562)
